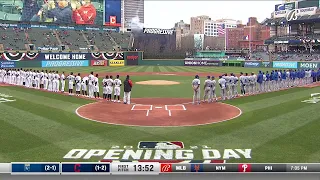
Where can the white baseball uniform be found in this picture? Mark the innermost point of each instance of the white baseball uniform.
(96, 84)
(84, 83)
(78, 83)
(117, 84)
(63, 82)
(45, 81)
(71, 81)
(91, 86)
(109, 86)
(104, 85)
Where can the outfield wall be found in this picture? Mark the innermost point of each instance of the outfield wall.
(118, 59)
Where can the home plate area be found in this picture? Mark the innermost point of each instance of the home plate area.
(158, 109)
(158, 112)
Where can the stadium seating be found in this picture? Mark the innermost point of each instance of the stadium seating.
(42, 38)
(13, 38)
(18, 39)
(99, 39)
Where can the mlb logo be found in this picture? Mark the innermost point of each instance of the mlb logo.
(27, 168)
(160, 145)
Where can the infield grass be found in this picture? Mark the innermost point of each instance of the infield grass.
(277, 126)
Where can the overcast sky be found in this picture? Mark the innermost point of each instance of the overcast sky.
(163, 14)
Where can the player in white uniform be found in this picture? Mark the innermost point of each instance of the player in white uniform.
(42, 79)
(71, 83)
(9, 76)
(50, 81)
(45, 80)
(90, 85)
(34, 79)
(196, 90)
(18, 77)
(57, 82)
(207, 89)
(13, 76)
(63, 82)
(213, 95)
(84, 84)
(78, 84)
(117, 84)
(104, 85)
(110, 88)
(222, 83)
(38, 80)
(96, 89)
(1, 75)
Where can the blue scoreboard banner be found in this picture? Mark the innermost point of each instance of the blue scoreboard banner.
(112, 13)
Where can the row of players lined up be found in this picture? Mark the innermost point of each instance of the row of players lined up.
(252, 84)
(55, 82)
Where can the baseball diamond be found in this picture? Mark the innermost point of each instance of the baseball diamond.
(271, 125)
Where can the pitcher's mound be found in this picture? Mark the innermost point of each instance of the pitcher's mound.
(158, 82)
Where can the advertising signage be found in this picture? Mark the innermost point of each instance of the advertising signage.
(285, 64)
(112, 13)
(71, 63)
(286, 6)
(202, 63)
(61, 56)
(133, 58)
(309, 65)
(253, 64)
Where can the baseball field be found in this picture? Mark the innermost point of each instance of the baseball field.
(43, 126)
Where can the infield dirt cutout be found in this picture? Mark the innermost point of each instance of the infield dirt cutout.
(157, 82)
(158, 112)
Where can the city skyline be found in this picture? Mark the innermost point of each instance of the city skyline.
(164, 14)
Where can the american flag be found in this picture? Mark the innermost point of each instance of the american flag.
(221, 30)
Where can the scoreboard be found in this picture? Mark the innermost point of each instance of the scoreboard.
(149, 168)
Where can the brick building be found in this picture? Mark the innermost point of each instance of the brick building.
(253, 33)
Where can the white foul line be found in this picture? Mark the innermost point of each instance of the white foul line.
(133, 107)
(169, 112)
(184, 108)
(147, 113)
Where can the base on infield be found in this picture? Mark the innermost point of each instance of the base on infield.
(158, 112)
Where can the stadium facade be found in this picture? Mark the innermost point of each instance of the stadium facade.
(295, 26)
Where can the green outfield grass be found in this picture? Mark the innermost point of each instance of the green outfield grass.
(277, 126)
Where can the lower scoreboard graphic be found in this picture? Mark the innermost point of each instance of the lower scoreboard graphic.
(150, 168)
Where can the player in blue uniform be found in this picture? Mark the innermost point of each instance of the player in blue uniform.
(283, 82)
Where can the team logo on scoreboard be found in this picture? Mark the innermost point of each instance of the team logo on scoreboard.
(160, 145)
(166, 168)
(244, 168)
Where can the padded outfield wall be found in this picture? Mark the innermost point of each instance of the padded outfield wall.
(132, 58)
